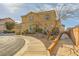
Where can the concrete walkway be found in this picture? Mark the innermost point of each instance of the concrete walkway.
(32, 47)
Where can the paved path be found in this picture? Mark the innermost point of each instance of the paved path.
(33, 47)
(9, 45)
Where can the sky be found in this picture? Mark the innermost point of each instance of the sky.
(16, 10)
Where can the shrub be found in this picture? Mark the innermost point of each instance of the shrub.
(9, 25)
(18, 33)
(44, 32)
(8, 31)
(51, 37)
(39, 30)
(25, 32)
(55, 31)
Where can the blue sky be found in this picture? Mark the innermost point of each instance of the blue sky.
(16, 10)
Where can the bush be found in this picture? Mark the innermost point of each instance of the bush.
(51, 37)
(9, 25)
(8, 31)
(18, 33)
(25, 32)
(44, 32)
(55, 31)
(39, 30)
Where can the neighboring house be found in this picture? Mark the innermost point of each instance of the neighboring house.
(45, 20)
(2, 23)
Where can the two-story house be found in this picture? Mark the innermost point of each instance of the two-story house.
(45, 20)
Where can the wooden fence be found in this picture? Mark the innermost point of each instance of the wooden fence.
(74, 33)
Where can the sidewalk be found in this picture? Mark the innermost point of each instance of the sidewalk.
(32, 47)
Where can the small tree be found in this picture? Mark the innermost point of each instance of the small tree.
(9, 25)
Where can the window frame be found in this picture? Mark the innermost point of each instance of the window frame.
(47, 17)
(31, 18)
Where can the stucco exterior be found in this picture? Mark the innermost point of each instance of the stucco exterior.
(45, 20)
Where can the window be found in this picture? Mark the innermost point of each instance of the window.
(47, 17)
(30, 17)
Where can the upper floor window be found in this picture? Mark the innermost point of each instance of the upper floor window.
(30, 17)
(47, 17)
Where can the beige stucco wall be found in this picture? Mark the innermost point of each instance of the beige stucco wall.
(39, 19)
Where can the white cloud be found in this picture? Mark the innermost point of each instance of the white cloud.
(48, 7)
(12, 7)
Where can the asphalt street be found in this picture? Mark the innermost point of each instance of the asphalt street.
(9, 45)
